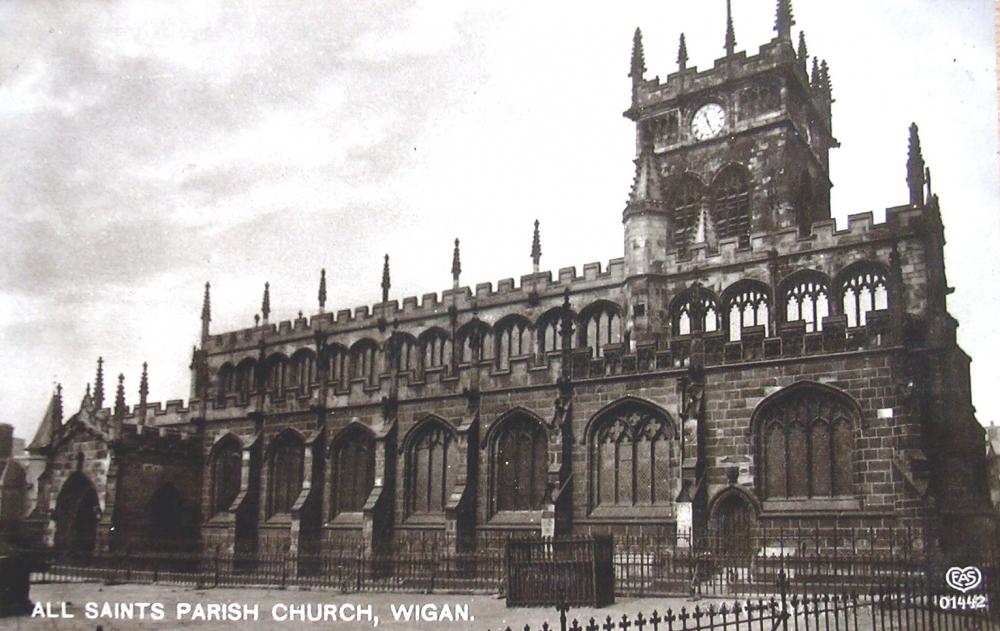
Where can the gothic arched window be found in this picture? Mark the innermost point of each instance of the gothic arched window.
(806, 297)
(472, 333)
(805, 443)
(634, 458)
(337, 360)
(285, 473)
(520, 456)
(226, 380)
(731, 204)
(227, 466)
(863, 288)
(600, 325)
(746, 303)
(352, 466)
(436, 348)
(547, 330)
(512, 336)
(684, 201)
(302, 372)
(431, 470)
(407, 352)
(363, 355)
(694, 309)
(276, 368)
(246, 378)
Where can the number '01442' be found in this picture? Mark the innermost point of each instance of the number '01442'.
(977, 601)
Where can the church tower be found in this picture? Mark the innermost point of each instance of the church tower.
(739, 149)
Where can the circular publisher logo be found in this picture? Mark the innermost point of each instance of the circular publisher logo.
(963, 579)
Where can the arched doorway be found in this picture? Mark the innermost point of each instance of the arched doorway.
(76, 516)
(732, 523)
(165, 511)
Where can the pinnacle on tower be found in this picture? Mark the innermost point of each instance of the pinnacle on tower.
(322, 289)
(814, 80)
(265, 303)
(57, 409)
(143, 392)
(646, 184)
(915, 174)
(803, 53)
(638, 58)
(730, 31)
(120, 396)
(682, 54)
(99, 385)
(784, 20)
(385, 279)
(536, 249)
(824, 79)
(456, 265)
(206, 311)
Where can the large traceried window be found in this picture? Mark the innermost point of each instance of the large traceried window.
(634, 457)
(805, 443)
(694, 309)
(285, 473)
(520, 454)
(806, 297)
(685, 199)
(431, 469)
(731, 204)
(600, 324)
(745, 304)
(863, 288)
(352, 465)
(227, 465)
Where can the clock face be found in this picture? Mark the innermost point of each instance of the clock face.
(708, 121)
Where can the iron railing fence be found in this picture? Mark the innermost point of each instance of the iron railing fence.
(827, 560)
(914, 605)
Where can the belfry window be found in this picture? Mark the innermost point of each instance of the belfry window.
(353, 468)
(634, 458)
(431, 470)
(805, 444)
(731, 204)
(285, 473)
(520, 453)
(861, 292)
(685, 203)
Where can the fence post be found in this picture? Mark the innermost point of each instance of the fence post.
(783, 588)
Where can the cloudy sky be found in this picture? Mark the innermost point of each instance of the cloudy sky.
(149, 147)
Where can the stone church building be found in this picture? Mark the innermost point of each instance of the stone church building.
(747, 363)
